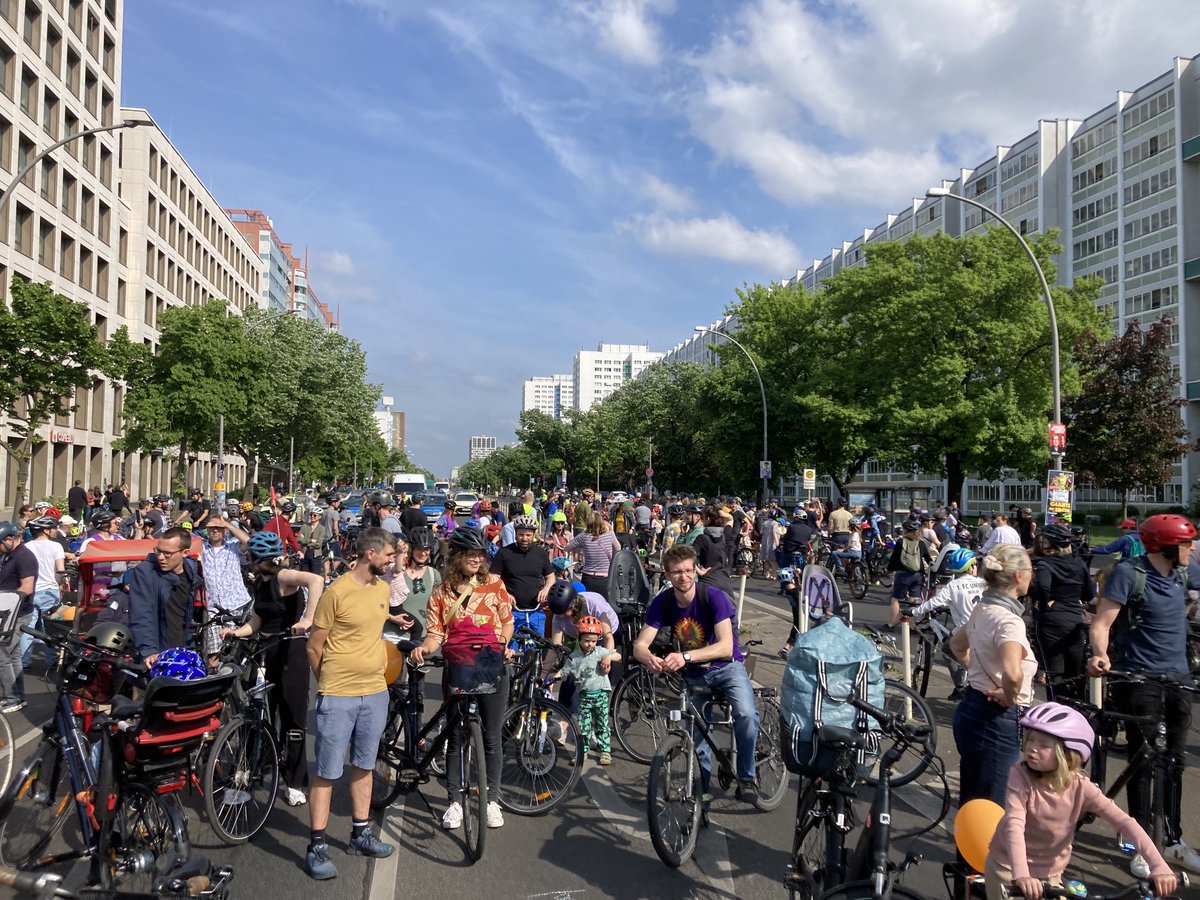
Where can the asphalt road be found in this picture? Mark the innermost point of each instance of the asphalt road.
(596, 844)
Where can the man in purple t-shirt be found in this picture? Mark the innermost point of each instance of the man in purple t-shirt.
(701, 620)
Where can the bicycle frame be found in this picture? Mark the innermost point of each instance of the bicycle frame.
(687, 710)
(82, 775)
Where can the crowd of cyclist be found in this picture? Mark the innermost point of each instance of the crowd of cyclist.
(270, 569)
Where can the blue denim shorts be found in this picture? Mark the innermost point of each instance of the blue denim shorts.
(349, 723)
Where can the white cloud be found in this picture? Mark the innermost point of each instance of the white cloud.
(666, 196)
(723, 237)
(335, 262)
(868, 99)
(627, 28)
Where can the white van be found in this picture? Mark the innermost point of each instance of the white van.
(408, 483)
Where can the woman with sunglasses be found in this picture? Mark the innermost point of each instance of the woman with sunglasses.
(420, 578)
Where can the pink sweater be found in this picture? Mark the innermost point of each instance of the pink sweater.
(1034, 838)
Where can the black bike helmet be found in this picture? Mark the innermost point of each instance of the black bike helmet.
(102, 519)
(422, 537)
(42, 523)
(561, 597)
(674, 509)
(694, 509)
(8, 529)
(161, 498)
(1056, 535)
(111, 636)
(288, 507)
(911, 525)
(468, 537)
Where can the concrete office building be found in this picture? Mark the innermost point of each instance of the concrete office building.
(390, 424)
(481, 446)
(1123, 187)
(551, 394)
(598, 373)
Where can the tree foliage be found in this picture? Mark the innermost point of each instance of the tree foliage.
(1125, 428)
(934, 356)
(50, 349)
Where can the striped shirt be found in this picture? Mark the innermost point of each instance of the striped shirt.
(597, 552)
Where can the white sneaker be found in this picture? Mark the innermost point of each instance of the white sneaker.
(452, 818)
(495, 818)
(293, 797)
(1183, 855)
(234, 797)
(1139, 868)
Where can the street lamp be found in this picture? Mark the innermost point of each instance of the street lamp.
(29, 166)
(701, 329)
(1055, 373)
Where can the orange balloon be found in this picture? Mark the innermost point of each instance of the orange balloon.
(973, 829)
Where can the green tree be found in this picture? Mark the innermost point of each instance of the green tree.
(50, 349)
(1126, 426)
(206, 367)
(938, 352)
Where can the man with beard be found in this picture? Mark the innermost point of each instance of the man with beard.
(348, 660)
(525, 569)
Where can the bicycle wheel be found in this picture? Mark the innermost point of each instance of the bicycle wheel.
(240, 780)
(543, 757)
(807, 875)
(385, 778)
(865, 890)
(769, 771)
(6, 752)
(922, 660)
(639, 713)
(856, 576)
(144, 827)
(673, 801)
(35, 807)
(909, 708)
(474, 789)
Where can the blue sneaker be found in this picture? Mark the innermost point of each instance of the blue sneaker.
(317, 863)
(366, 844)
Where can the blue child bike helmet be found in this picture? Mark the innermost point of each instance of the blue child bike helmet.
(959, 561)
(179, 663)
(787, 575)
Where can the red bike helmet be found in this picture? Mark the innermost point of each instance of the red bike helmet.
(590, 625)
(1166, 530)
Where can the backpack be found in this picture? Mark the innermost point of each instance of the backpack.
(1136, 549)
(911, 557)
(827, 665)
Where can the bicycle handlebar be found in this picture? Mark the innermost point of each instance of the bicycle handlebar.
(1185, 681)
(32, 884)
(1129, 892)
(84, 651)
(889, 723)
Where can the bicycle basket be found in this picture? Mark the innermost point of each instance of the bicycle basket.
(474, 668)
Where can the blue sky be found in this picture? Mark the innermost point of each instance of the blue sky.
(486, 188)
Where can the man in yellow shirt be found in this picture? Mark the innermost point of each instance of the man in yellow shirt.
(345, 650)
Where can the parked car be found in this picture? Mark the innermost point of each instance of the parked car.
(464, 502)
(617, 496)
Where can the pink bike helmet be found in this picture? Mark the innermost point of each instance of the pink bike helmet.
(1067, 724)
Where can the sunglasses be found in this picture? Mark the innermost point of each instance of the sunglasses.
(419, 585)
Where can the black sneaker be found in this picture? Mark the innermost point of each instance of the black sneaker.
(747, 791)
(317, 863)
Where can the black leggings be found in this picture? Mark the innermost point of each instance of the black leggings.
(1062, 651)
(286, 668)
(596, 584)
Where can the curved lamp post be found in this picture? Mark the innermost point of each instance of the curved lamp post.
(701, 329)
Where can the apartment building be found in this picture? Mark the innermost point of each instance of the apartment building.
(1123, 187)
(480, 446)
(551, 394)
(598, 373)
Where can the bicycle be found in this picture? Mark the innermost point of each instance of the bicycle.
(409, 752)
(1152, 754)
(175, 879)
(1140, 890)
(239, 767)
(676, 806)
(639, 701)
(7, 747)
(820, 866)
(852, 570)
(124, 790)
(876, 561)
(543, 753)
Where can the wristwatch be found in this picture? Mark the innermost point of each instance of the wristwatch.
(687, 657)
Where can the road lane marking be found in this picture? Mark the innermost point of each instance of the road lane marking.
(385, 872)
(712, 856)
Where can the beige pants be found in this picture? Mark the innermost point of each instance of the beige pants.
(998, 878)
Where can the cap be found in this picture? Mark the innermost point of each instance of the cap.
(1127, 523)
(69, 520)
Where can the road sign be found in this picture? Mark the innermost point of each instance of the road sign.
(764, 468)
(1058, 436)
(219, 486)
(810, 480)
(649, 472)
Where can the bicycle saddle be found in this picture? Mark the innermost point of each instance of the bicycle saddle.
(840, 738)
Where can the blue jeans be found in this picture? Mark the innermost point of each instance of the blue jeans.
(44, 603)
(733, 680)
(12, 678)
(989, 744)
(841, 556)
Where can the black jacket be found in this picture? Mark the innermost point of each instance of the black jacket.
(1061, 586)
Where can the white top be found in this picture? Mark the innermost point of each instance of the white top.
(1001, 534)
(48, 553)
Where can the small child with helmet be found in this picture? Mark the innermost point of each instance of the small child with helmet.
(593, 685)
(959, 596)
(1048, 793)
